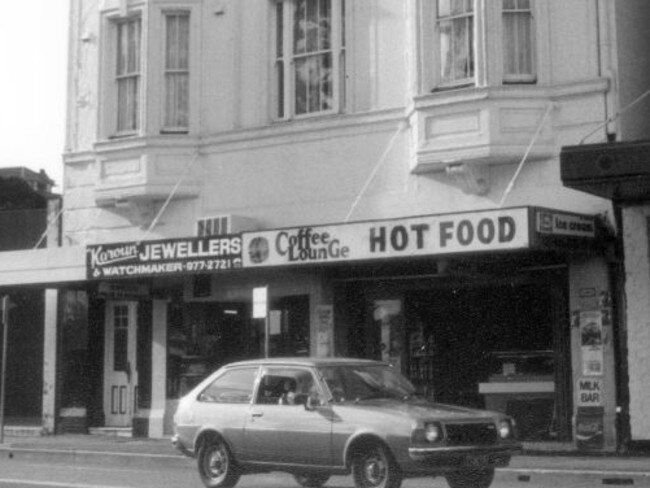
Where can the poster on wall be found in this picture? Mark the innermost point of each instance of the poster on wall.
(591, 342)
(325, 326)
(388, 315)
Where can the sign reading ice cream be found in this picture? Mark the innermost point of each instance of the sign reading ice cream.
(506, 229)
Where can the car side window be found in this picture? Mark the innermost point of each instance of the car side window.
(234, 386)
(285, 386)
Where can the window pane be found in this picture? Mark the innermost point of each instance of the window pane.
(312, 25)
(120, 337)
(176, 70)
(517, 43)
(234, 386)
(176, 85)
(279, 69)
(279, 29)
(128, 72)
(324, 25)
(300, 28)
(456, 38)
(312, 58)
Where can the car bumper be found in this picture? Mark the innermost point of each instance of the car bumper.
(450, 458)
(178, 444)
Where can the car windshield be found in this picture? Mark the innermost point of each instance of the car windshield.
(364, 382)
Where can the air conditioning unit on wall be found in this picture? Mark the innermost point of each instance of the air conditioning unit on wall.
(223, 224)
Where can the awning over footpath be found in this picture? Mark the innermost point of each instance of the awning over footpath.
(461, 233)
(43, 267)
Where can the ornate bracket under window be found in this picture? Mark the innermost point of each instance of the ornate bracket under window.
(472, 178)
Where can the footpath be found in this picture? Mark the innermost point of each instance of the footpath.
(614, 469)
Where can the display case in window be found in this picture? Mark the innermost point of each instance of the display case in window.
(522, 384)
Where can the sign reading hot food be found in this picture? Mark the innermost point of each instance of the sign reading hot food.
(417, 236)
(165, 257)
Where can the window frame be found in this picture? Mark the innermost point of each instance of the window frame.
(286, 372)
(136, 75)
(283, 61)
(452, 19)
(489, 50)
(203, 397)
(167, 71)
(514, 78)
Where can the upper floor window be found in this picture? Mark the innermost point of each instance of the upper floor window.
(479, 42)
(517, 41)
(176, 71)
(309, 57)
(455, 21)
(127, 74)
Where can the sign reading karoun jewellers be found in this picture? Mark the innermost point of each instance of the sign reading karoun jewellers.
(505, 229)
(164, 257)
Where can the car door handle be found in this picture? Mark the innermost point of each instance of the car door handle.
(257, 414)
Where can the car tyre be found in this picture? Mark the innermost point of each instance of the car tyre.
(217, 468)
(314, 480)
(477, 478)
(373, 466)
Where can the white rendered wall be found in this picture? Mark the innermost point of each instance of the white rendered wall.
(637, 290)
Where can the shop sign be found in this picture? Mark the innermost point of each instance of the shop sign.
(122, 291)
(163, 257)
(591, 342)
(590, 392)
(566, 224)
(260, 302)
(590, 427)
(496, 230)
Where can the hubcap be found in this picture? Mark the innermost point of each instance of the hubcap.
(375, 470)
(217, 463)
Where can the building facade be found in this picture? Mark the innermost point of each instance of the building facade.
(28, 216)
(376, 179)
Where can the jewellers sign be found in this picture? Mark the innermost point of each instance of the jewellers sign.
(506, 229)
(164, 257)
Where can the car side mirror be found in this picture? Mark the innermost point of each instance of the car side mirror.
(311, 402)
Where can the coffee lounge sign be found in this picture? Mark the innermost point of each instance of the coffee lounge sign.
(506, 229)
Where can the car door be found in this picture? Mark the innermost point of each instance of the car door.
(224, 405)
(284, 431)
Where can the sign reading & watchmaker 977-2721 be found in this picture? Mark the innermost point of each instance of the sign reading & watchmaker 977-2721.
(164, 257)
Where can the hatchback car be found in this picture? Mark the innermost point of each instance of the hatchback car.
(315, 418)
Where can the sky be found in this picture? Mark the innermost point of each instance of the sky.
(33, 48)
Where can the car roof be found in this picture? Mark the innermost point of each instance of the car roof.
(305, 361)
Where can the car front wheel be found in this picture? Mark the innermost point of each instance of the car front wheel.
(311, 480)
(373, 467)
(479, 478)
(216, 465)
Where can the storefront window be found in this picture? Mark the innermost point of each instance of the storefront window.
(74, 349)
(203, 336)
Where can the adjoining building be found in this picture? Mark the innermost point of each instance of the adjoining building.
(27, 205)
(385, 173)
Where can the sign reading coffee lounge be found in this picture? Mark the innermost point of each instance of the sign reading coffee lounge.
(164, 257)
(506, 229)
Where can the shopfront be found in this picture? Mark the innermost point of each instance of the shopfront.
(485, 309)
(505, 309)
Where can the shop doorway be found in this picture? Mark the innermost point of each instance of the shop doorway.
(497, 344)
(120, 363)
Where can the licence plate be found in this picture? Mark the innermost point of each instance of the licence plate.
(478, 461)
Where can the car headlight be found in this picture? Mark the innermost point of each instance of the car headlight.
(506, 430)
(432, 432)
